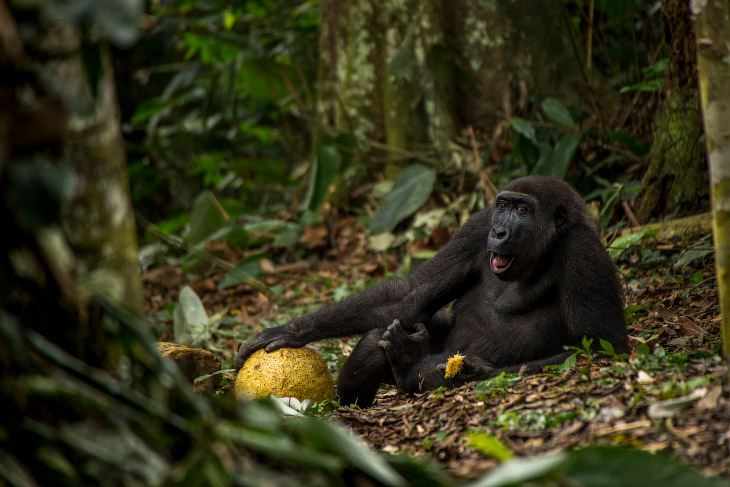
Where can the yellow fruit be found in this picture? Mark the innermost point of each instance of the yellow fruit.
(454, 365)
(287, 372)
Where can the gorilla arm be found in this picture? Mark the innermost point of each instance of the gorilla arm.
(591, 296)
(415, 299)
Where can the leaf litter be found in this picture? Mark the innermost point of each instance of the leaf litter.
(670, 396)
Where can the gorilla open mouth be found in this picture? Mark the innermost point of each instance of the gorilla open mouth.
(500, 262)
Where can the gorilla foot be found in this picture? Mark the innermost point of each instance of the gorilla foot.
(403, 348)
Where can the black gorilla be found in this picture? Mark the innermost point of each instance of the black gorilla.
(526, 277)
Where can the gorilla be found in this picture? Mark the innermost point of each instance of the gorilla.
(525, 278)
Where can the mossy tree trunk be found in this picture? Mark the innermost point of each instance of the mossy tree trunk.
(713, 43)
(408, 78)
(676, 180)
(98, 221)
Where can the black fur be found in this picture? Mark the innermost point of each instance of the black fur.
(550, 285)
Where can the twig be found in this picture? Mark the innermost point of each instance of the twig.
(490, 190)
(630, 214)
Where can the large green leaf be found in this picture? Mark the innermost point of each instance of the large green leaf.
(598, 467)
(554, 161)
(324, 169)
(327, 438)
(206, 217)
(410, 190)
(626, 467)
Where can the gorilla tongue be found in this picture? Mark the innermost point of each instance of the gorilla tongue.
(500, 262)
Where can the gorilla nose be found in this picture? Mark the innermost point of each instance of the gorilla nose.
(498, 235)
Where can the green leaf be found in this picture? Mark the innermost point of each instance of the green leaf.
(425, 254)
(198, 257)
(190, 323)
(524, 127)
(554, 161)
(489, 445)
(520, 470)
(696, 278)
(557, 112)
(229, 18)
(626, 467)
(287, 234)
(326, 166)
(208, 376)
(607, 348)
(148, 109)
(650, 85)
(618, 246)
(325, 437)
(410, 190)
(687, 257)
(242, 273)
(206, 216)
(261, 79)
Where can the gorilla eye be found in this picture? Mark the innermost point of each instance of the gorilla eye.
(522, 209)
(502, 205)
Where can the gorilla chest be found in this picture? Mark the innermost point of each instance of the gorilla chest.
(500, 320)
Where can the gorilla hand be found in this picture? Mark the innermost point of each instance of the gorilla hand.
(270, 339)
(472, 368)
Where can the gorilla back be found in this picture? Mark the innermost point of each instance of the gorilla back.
(527, 276)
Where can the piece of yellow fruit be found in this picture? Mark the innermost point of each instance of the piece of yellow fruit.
(454, 365)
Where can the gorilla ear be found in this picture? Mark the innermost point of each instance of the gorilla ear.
(561, 216)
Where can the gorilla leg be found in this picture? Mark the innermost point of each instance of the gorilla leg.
(365, 369)
(367, 366)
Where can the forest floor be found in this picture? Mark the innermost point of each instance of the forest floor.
(671, 395)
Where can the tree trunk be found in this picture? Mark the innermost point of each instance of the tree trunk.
(407, 78)
(98, 221)
(713, 48)
(676, 180)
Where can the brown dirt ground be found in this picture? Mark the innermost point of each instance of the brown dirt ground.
(595, 403)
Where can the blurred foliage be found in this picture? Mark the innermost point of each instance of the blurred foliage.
(228, 104)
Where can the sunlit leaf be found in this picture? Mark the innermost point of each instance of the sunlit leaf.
(619, 245)
(490, 445)
(190, 324)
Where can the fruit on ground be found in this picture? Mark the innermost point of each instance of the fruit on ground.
(287, 372)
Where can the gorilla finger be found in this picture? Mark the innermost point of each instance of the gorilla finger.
(384, 344)
(419, 327)
(441, 369)
(279, 343)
